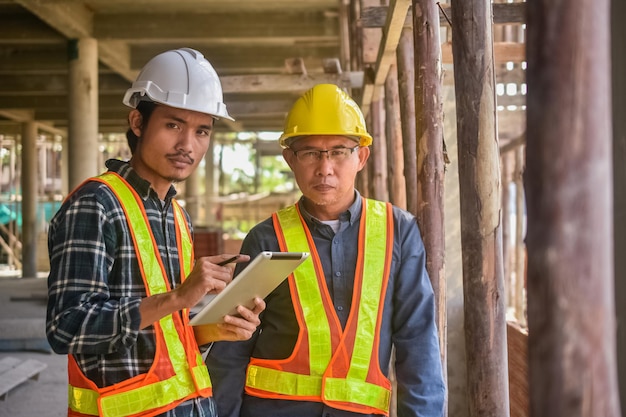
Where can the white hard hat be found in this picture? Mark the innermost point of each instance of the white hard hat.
(180, 78)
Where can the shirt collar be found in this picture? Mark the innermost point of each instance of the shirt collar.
(352, 215)
(140, 185)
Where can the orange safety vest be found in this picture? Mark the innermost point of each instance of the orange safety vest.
(178, 372)
(339, 367)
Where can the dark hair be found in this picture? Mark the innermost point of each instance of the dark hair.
(145, 108)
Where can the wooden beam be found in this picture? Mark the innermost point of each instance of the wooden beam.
(18, 115)
(74, 21)
(218, 28)
(503, 14)
(31, 85)
(386, 52)
(287, 83)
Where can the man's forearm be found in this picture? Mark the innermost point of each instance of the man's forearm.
(155, 307)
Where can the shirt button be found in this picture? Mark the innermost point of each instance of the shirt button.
(340, 308)
(338, 274)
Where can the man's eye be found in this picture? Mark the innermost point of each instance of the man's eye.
(337, 152)
(309, 154)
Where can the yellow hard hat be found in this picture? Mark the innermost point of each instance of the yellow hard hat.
(325, 109)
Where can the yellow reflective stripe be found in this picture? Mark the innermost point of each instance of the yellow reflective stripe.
(282, 382)
(142, 235)
(201, 374)
(318, 327)
(373, 268)
(185, 256)
(147, 397)
(159, 393)
(83, 400)
(357, 391)
(175, 348)
(354, 388)
(200, 371)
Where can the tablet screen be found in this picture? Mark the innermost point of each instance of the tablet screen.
(262, 275)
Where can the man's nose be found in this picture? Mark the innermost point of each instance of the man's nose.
(185, 139)
(324, 164)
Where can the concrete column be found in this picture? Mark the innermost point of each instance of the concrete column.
(83, 110)
(29, 199)
(65, 166)
(42, 163)
(210, 186)
(192, 204)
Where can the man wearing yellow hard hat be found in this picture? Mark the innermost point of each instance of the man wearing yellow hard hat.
(325, 340)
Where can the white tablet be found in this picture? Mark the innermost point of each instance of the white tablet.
(262, 275)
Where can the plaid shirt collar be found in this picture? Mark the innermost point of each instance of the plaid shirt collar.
(143, 188)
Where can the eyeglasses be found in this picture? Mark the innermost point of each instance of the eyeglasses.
(336, 155)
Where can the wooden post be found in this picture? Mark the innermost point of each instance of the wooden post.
(618, 42)
(506, 227)
(378, 159)
(481, 234)
(395, 158)
(571, 311)
(520, 248)
(430, 166)
(356, 35)
(406, 83)
(344, 31)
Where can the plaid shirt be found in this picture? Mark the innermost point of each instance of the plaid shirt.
(95, 285)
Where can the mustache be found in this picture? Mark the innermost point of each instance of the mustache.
(183, 154)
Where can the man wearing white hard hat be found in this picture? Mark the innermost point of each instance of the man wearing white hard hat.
(122, 274)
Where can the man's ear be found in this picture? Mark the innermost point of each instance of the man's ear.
(135, 122)
(364, 154)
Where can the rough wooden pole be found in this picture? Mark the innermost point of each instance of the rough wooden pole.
(430, 166)
(507, 209)
(395, 158)
(406, 82)
(571, 312)
(618, 42)
(520, 248)
(481, 234)
(344, 30)
(356, 35)
(378, 158)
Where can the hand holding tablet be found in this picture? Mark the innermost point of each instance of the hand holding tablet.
(262, 275)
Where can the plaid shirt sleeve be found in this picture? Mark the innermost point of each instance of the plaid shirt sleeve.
(92, 309)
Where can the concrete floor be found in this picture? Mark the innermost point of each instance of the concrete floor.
(22, 336)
